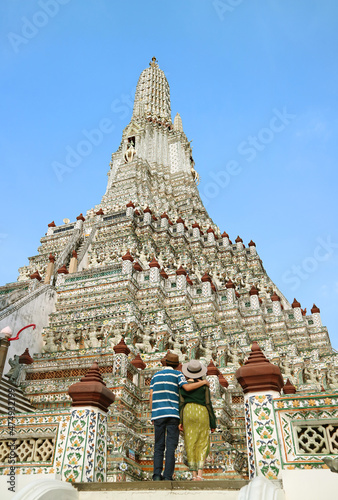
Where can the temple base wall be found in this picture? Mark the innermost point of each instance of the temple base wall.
(35, 311)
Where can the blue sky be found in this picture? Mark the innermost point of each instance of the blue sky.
(255, 82)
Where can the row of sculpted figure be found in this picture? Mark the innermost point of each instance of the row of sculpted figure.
(150, 339)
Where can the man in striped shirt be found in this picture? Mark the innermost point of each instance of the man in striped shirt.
(164, 401)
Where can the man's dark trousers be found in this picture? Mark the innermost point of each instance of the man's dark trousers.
(166, 438)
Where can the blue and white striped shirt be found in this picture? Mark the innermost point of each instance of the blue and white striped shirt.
(164, 385)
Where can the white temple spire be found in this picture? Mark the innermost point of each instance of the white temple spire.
(178, 123)
(152, 96)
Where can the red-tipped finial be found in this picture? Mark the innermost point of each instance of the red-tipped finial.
(154, 263)
(212, 369)
(163, 274)
(128, 256)
(206, 278)
(258, 374)
(36, 276)
(230, 284)
(138, 362)
(275, 298)
(253, 290)
(222, 380)
(181, 271)
(91, 391)
(63, 270)
(289, 388)
(295, 304)
(137, 267)
(121, 348)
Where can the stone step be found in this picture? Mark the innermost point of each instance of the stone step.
(22, 404)
(20, 407)
(161, 490)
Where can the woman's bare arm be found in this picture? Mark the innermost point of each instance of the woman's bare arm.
(195, 385)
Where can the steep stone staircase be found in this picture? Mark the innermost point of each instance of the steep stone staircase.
(21, 403)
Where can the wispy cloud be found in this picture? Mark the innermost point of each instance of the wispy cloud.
(315, 126)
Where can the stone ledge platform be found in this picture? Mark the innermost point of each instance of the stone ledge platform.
(208, 484)
(155, 490)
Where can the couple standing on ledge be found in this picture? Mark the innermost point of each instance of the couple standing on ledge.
(181, 404)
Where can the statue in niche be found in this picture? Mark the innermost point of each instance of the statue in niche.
(105, 331)
(234, 358)
(15, 371)
(115, 335)
(332, 378)
(194, 174)
(286, 368)
(130, 153)
(207, 351)
(84, 342)
(58, 341)
(146, 345)
(93, 341)
(130, 328)
(177, 349)
(114, 340)
(309, 375)
(71, 343)
(49, 343)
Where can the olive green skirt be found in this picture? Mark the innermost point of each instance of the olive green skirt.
(196, 435)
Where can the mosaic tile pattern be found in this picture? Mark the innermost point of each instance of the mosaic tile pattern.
(308, 429)
(264, 455)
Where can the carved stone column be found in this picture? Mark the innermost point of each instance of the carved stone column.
(85, 448)
(127, 264)
(120, 363)
(73, 263)
(154, 271)
(254, 301)
(231, 297)
(50, 269)
(261, 382)
(130, 209)
(181, 278)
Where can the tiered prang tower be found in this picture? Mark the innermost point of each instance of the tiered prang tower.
(147, 270)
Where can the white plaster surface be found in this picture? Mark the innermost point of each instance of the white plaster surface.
(313, 484)
(160, 495)
(261, 488)
(36, 311)
(37, 487)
